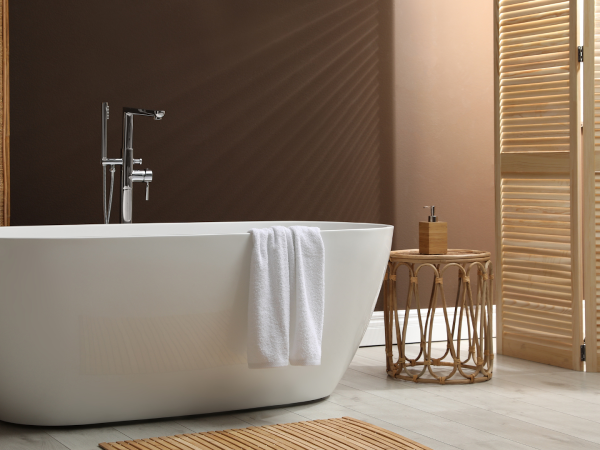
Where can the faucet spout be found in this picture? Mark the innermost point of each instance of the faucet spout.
(157, 114)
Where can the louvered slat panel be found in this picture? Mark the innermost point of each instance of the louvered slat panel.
(530, 92)
(551, 316)
(534, 303)
(508, 6)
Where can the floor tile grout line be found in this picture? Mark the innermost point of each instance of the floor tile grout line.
(444, 418)
(382, 420)
(132, 438)
(187, 428)
(471, 406)
(192, 431)
(592, 422)
(549, 391)
(125, 435)
(387, 377)
(245, 421)
(70, 429)
(64, 445)
(233, 415)
(545, 390)
(482, 389)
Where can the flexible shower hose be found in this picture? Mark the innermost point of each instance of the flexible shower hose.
(112, 183)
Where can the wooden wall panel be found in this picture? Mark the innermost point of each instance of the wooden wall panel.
(4, 119)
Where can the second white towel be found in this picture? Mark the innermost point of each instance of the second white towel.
(287, 293)
(308, 301)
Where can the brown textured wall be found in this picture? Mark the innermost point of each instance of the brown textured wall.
(274, 109)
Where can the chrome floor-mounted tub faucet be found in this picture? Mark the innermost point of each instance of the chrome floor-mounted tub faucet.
(128, 174)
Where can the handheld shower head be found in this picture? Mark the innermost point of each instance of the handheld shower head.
(104, 128)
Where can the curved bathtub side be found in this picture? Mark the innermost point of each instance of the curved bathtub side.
(102, 330)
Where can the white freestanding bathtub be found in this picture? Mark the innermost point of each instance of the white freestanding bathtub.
(104, 323)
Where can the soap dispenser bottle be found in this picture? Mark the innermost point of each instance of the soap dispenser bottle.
(433, 236)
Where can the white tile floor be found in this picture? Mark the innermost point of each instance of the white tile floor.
(526, 405)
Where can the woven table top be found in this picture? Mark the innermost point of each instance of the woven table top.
(453, 256)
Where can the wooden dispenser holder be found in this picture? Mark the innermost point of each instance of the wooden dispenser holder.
(433, 236)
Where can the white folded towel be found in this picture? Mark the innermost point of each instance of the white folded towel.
(307, 316)
(287, 293)
(269, 299)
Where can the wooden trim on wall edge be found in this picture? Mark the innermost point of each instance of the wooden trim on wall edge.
(497, 180)
(576, 186)
(590, 165)
(5, 219)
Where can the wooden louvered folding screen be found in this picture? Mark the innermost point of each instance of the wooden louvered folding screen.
(538, 182)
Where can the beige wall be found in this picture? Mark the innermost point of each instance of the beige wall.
(444, 120)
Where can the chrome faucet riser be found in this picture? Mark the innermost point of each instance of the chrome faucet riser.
(127, 161)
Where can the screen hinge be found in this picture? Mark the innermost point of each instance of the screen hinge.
(580, 53)
(583, 352)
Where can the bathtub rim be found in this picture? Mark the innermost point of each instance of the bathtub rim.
(127, 231)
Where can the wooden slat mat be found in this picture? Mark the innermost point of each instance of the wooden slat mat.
(332, 434)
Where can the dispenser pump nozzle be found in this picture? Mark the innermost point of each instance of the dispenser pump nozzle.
(432, 217)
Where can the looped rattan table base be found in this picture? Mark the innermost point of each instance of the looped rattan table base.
(473, 310)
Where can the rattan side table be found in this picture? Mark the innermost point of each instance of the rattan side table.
(472, 309)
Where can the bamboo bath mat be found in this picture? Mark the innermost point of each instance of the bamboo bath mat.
(332, 434)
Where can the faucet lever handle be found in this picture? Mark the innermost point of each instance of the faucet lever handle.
(148, 179)
(137, 161)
